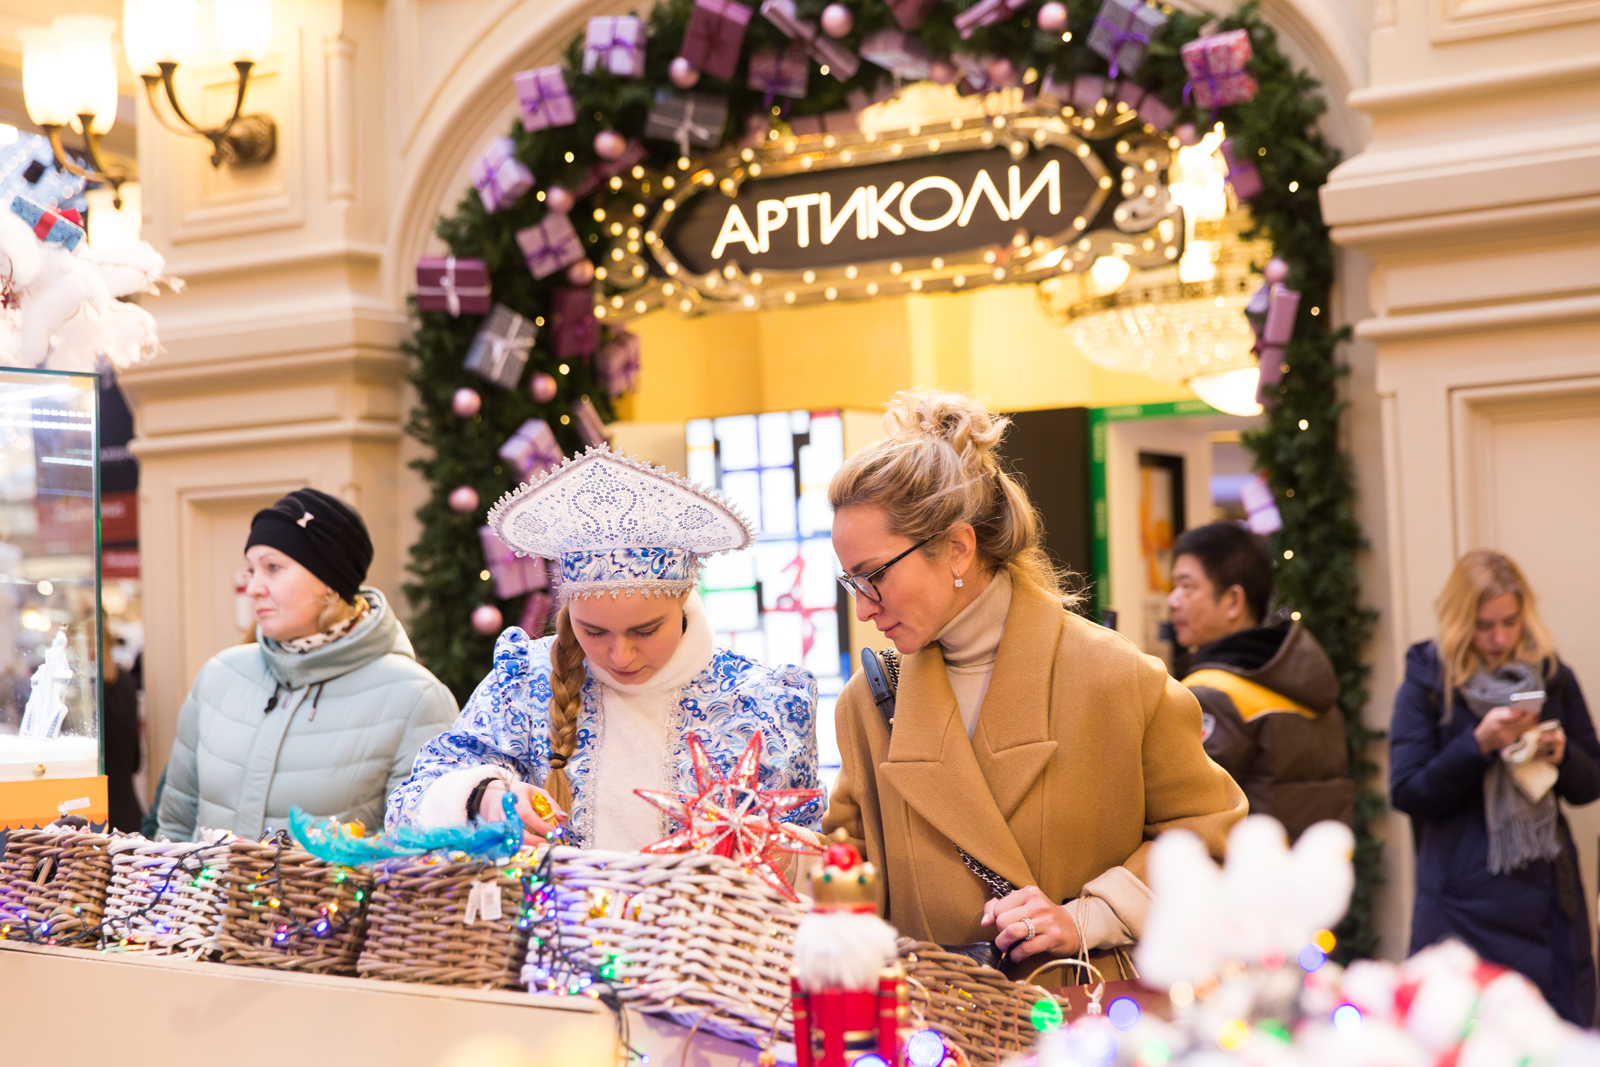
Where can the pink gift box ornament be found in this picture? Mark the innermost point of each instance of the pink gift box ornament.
(615, 44)
(715, 36)
(1242, 174)
(1215, 66)
(757, 125)
(632, 155)
(445, 283)
(1122, 32)
(572, 323)
(840, 61)
(1260, 507)
(550, 245)
(531, 450)
(687, 119)
(543, 98)
(1151, 109)
(785, 72)
(535, 614)
(512, 573)
(827, 122)
(974, 70)
(586, 420)
(901, 54)
(911, 14)
(499, 351)
(499, 176)
(985, 13)
(617, 363)
(1282, 307)
(1087, 91)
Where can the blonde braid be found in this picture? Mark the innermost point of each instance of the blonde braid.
(567, 677)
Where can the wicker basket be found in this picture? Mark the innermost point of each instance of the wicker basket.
(417, 929)
(283, 908)
(975, 1007)
(692, 937)
(53, 884)
(168, 895)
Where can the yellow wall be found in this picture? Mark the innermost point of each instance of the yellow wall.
(993, 342)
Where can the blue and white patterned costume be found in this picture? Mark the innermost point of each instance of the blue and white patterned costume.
(506, 724)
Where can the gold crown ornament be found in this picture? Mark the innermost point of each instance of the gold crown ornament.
(843, 881)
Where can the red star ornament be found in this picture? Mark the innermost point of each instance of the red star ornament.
(730, 815)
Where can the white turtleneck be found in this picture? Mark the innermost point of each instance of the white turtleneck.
(971, 641)
(634, 741)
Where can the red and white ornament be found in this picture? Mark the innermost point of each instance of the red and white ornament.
(609, 145)
(1053, 17)
(486, 619)
(837, 20)
(543, 387)
(557, 199)
(682, 73)
(463, 498)
(466, 402)
(580, 273)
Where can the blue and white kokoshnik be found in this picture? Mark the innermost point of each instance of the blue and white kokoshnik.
(506, 724)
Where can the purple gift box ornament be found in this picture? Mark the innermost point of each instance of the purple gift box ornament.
(1282, 306)
(1260, 507)
(512, 572)
(687, 119)
(499, 351)
(986, 13)
(535, 613)
(499, 176)
(1150, 108)
(445, 283)
(64, 228)
(572, 322)
(840, 61)
(975, 77)
(586, 420)
(617, 363)
(1087, 92)
(1215, 66)
(632, 155)
(615, 43)
(532, 449)
(1122, 32)
(785, 73)
(543, 98)
(715, 36)
(550, 245)
(901, 54)
(1242, 174)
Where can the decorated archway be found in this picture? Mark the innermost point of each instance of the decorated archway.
(715, 158)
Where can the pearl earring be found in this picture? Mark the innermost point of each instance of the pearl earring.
(959, 583)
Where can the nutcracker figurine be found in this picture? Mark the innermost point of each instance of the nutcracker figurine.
(850, 1007)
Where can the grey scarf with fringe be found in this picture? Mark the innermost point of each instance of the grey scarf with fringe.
(1520, 830)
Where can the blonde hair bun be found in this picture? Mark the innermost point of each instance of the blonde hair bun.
(960, 421)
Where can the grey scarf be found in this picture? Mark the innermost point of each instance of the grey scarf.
(1520, 830)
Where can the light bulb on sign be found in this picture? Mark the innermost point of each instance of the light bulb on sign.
(86, 57)
(244, 28)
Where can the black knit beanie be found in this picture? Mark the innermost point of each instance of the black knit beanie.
(321, 533)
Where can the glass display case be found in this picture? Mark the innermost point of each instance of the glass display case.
(50, 632)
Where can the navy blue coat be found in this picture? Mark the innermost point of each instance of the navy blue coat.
(1534, 920)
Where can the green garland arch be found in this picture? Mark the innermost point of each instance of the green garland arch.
(1299, 448)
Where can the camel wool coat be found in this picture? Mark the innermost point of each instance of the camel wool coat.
(1085, 749)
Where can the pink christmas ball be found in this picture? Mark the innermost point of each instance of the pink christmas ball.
(943, 72)
(608, 145)
(581, 272)
(558, 199)
(1275, 271)
(543, 387)
(463, 498)
(466, 402)
(1187, 135)
(682, 73)
(486, 619)
(1053, 17)
(837, 20)
(1004, 72)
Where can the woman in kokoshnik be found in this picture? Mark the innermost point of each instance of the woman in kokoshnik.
(572, 724)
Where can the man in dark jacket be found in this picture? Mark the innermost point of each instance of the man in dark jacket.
(1268, 695)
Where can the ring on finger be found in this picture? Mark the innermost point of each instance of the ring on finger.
(1031, 931)
(541, 806)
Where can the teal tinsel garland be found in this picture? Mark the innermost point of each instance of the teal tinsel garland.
(478, 840)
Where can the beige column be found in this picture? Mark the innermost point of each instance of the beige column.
(1477, 200)
(281, 366)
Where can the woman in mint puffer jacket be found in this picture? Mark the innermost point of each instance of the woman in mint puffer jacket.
(326, 711)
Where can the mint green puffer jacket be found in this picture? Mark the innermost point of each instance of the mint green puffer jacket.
(342, 735)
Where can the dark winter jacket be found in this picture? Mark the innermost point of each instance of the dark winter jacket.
(1270, 716)
(1535, 919)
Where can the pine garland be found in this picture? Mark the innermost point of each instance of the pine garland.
(1299, 448)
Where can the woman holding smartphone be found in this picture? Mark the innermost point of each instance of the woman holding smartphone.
(1490, 733)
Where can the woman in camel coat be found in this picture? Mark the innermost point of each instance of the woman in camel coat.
(1048, 748)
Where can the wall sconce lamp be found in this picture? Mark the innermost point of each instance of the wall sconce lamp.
(69, 78)
(158, 35)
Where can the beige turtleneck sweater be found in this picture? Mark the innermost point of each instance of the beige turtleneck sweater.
(971, 641)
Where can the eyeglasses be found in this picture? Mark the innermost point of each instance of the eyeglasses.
(865, 584)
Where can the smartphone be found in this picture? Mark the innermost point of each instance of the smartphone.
(1531, 700)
